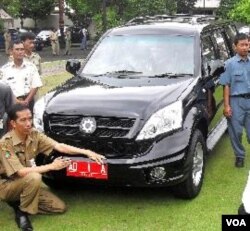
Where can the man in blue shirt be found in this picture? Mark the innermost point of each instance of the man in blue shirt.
(236, 82)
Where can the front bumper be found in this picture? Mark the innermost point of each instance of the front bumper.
(167, 155)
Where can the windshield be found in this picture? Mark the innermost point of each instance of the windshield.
(143, 55)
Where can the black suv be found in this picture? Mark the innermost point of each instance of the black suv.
(147, 97)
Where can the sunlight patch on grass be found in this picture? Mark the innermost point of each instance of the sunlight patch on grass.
(50, 82)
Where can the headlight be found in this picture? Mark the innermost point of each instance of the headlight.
(38, 114)
(166, 119)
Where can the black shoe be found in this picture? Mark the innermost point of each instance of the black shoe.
(23, 221)
(239, 162)
(242, 211)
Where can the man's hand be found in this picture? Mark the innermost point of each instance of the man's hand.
(96, 157)
(23, 102)
(70, 150)
(60, 163)
(227, 111)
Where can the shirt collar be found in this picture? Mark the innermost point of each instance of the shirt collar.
(16, 140)
(239, 58)
(22, 65)
(29, 56)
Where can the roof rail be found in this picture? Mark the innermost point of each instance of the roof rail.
(181, 18)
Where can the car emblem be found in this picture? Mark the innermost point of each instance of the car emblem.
(88, 125)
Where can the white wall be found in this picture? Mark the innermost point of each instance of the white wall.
(49, 22)
(208, 3)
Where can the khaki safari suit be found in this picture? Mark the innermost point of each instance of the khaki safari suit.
(36, 60)
(68, 43)
(54, 43)
(15, 155)
(7, 40)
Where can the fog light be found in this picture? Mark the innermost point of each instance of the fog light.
(157, 173)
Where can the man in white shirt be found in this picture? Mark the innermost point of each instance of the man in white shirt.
(21, 75)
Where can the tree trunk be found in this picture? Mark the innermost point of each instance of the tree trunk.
(104, 16)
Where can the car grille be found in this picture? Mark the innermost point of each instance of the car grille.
(106, 127)
(109, 138)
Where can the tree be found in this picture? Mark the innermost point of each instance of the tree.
(225, 7)
(241, 12)
(38, 9)
(171, 6)
(116, 12)
(11, 7)
(1, 25)
(185, 6)
(145, 7)
(83, 11)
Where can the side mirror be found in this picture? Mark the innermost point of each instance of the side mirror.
(216, 67)
(72, 66)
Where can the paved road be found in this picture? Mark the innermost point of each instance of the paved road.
(46, 54)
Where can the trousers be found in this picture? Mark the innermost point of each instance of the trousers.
(55, 47)
(33, 196)
(240, 119)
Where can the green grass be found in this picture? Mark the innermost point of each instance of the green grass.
(122, 209)
(49, 82)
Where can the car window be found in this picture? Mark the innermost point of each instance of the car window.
(148, 54)
(208, 53)
(231, 32)
(221, 47)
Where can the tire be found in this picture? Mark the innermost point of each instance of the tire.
(196, 153)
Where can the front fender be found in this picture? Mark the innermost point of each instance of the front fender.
(195, 119)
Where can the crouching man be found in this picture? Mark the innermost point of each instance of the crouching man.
(20, 178)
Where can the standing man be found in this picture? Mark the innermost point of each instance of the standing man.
(20, 181)
(28, 39)
(83, 33)
(55, 42)
(7, 40)
(6, 101)
(236, 82)
(21, 75)
(68, 42)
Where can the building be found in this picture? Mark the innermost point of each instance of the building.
(206, 6)
(7, 19)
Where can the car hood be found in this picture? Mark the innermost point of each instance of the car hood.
(91, 98)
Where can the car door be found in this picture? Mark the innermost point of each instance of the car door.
(212, 91)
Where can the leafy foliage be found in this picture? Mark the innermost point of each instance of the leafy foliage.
(241, 12)
(225, 7)
(38, 9)
(117, 11)
(1, 25)
(83, 11)
(12, 7)
(185, 6)
(145, 7)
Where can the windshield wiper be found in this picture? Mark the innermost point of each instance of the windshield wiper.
(125, 72)
(120, 72)
(170, 75)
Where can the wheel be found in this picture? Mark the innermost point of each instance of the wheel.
(191, 187)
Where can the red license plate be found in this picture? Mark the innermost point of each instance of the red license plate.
(86, 169)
